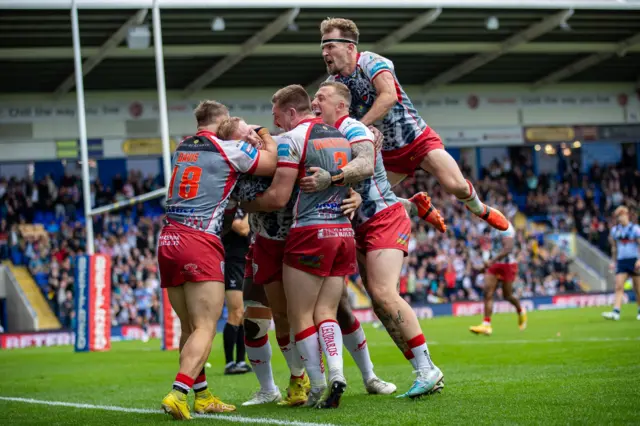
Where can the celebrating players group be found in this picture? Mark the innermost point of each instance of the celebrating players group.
(320, 208)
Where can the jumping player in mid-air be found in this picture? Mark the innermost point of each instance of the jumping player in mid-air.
(382, 229)
(378, 99)
(501, 267)
(190, 253)
(625, 243)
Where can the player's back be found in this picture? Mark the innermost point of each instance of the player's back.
(204, 174)
(271, 225)
(325, 147)
(402, 124)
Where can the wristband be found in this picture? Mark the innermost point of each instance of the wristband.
(261, 131)
(337, 177)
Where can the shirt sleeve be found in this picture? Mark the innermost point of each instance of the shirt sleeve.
(356, 132)
(242, 156)
(290, 150)
(373, 65)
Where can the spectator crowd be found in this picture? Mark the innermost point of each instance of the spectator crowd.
(440, 268)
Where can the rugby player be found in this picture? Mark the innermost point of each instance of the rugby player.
(190, 253)
(382, 230)
(409, 144)
(320, 249)
(501, 267)
(236, 245)
(625, 241)
(274, 227)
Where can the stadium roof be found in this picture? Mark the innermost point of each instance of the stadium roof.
(275, 47)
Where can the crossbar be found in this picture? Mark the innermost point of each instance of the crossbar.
(131, 201)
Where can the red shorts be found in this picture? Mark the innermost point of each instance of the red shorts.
(248, 263)
(504, 271)
(387, 229)
(267, 260)
(324, 251)
(406, 160)
(188, 255)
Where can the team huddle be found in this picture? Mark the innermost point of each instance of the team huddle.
(321, 207)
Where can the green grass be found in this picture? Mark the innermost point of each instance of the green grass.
(569, 367)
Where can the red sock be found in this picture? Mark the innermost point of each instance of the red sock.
(183, 383)
(487, 319)
(200, 383)
(409, 355)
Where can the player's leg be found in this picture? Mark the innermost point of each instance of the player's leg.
(383, 272)
(507, 293)
(490, 286)
(636, 286)
(444, 168)
(298, 382)
(355, 341)
(392, 329)
(621, 278)
(233, 278)
(302, 289)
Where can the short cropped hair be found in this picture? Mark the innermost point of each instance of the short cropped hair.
(620, 211)
(210, 112)
(348, 28)
(341, 89)
(293, 96)
(227, 127)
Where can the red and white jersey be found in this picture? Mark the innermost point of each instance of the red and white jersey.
(497, 244)
(205, 171)
(316, 144)
(402, 125)
(375, 191)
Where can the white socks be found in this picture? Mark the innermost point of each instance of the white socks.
(356, 343)
(309, 348)
(331, 342)
(259, 354)
(418, 346)
(473, 202)
(292, 355)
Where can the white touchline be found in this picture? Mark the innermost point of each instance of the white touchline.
(227, 418)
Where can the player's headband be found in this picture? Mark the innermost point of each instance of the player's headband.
(337, 40)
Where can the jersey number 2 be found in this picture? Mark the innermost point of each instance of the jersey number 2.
(189, 182)
(340, 158)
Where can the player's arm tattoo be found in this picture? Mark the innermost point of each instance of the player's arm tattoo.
(361, 166)
(411, 208)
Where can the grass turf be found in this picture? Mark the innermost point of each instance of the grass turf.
(569, 367)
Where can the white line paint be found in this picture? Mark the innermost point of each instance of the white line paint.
(227, 418)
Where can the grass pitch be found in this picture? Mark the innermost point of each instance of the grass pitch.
(568, 367)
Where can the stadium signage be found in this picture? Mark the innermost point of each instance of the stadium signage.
(550, 134)
(482, 137)
(93, 303)
(148, 146)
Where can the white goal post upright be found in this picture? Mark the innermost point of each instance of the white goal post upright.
(82, 126)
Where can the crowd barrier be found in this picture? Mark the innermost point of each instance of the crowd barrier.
(458, 309)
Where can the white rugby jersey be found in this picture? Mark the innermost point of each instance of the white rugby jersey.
(402, 125)
(375, 191)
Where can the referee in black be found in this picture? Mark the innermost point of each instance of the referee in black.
(236, 245)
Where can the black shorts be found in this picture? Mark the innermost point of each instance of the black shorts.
(627, 266)
(233, 274)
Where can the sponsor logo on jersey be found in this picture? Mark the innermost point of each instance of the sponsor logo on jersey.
(355, 132)
(283, 150)
(249, 150)
(379, 67)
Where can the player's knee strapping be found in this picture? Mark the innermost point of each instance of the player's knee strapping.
(257, 320)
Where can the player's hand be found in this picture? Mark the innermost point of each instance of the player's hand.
(612, 266)
(318, 180)
(351, 204)
(378, 138)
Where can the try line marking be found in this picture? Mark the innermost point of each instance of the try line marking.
(226, 418)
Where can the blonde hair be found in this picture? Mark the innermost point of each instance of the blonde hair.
(227, 127)
(341, 89)
(348, 28)
(293, 96)
(210, 112)
(620, 211)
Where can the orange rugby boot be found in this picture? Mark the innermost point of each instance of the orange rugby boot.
(427, 212)
(493, 217)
